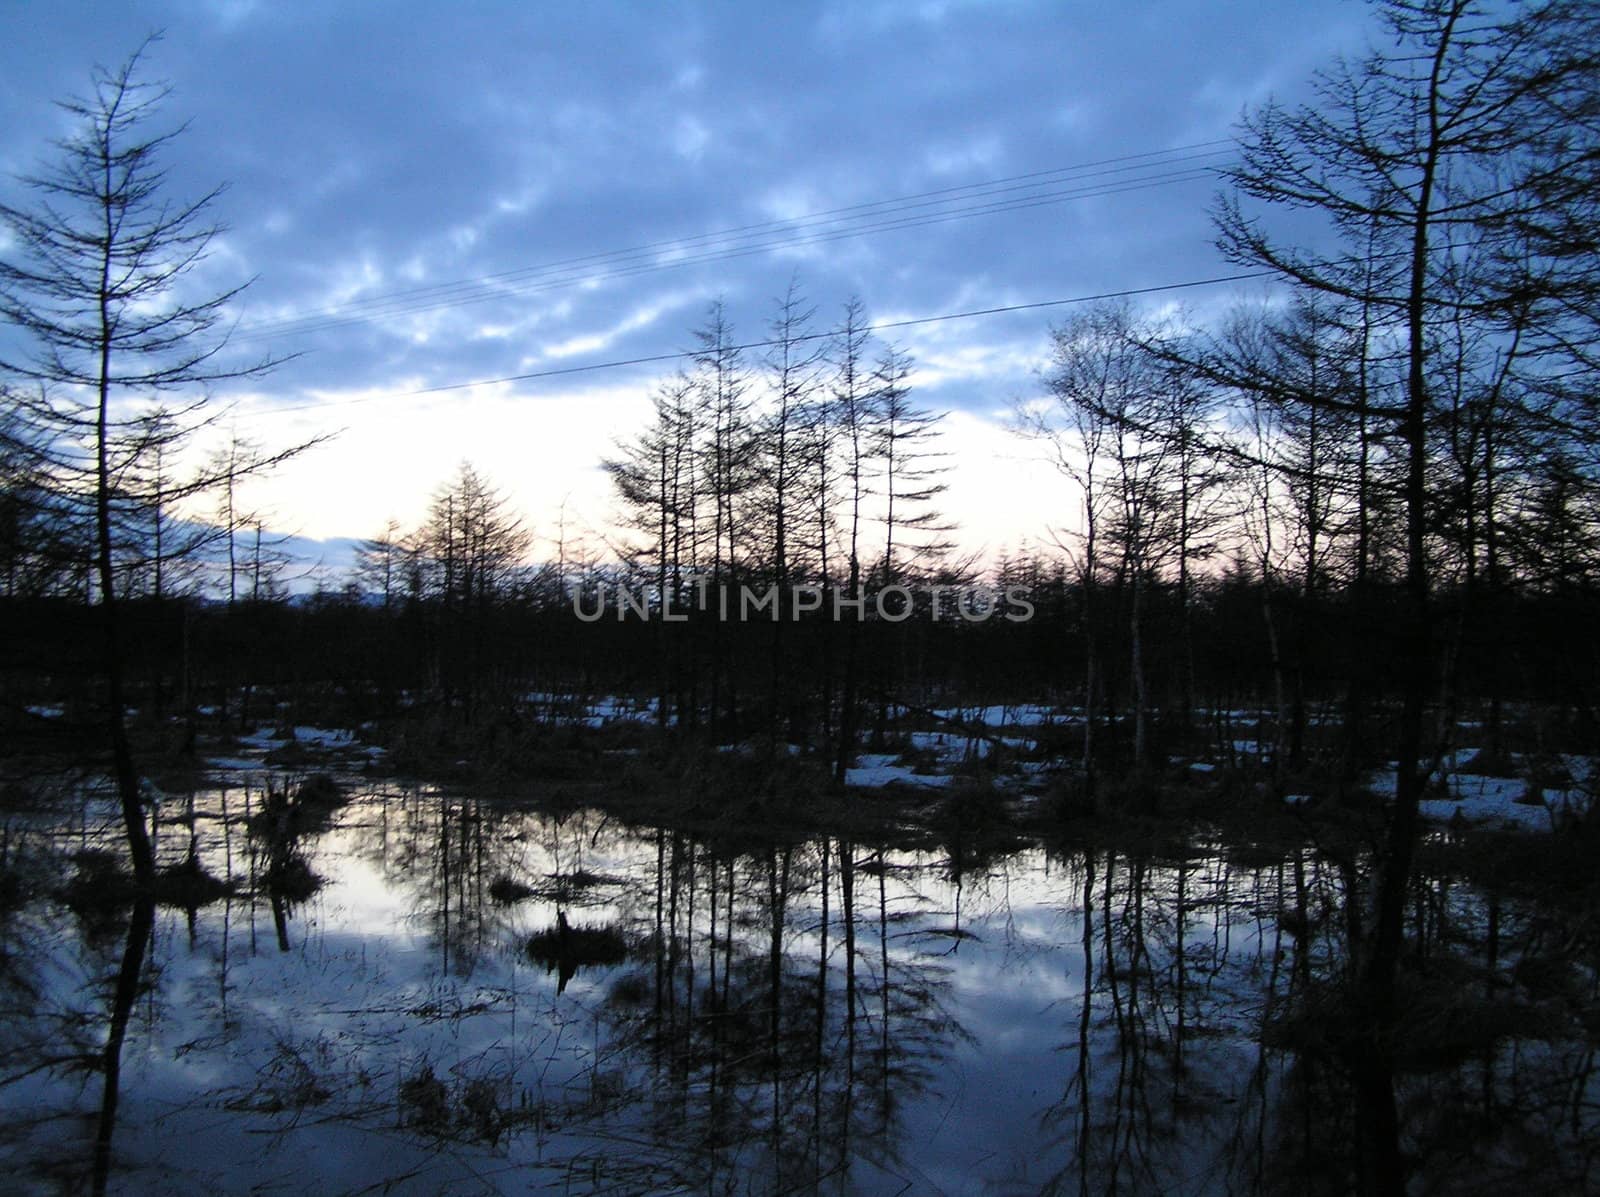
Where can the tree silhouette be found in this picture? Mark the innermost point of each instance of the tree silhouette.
(100, 281)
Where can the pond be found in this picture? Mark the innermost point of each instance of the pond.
(392, 987)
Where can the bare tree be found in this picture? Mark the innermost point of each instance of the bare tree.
(913, 471)
(1072, 426)
(793, 367)
(471, 542)
(99, 283)
(728, 473)
(853, 414)
(1409, 153)
(380, 565)
(45, 540)
(1119, 427)
(653, 477)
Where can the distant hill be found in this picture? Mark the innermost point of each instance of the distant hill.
(310, 563)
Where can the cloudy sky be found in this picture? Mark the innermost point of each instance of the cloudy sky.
(436, 195)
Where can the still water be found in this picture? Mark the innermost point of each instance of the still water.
(483, 997)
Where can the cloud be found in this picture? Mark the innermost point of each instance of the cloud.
(690, 137)
(373, 151)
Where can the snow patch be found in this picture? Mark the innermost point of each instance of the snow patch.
(874, 769)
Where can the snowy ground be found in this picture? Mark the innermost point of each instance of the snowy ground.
(1021, 715)
(939, 753)
(339, 745)
(1501, 802)
(875, 769)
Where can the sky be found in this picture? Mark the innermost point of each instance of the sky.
(434, 196)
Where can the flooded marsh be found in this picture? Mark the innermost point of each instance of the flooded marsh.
(357, 984)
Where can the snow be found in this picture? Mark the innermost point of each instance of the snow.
(265, 740)
(1486, 801)
(324, 737)
(598, 712)
(1497, 801)
(232, 764)
(1023, 715)
(874, 769)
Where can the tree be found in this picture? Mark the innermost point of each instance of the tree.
(1294, 373)
(912, 479)
(792, 367)
(469, 552)
(853, 414)
(1412, 158)
(1544, 264)
(98, 281)
(727, 472)
(471, 542)
(654, 479)
(913, 472)
(43, 545)
(380, 566)
(1123, 424)
(1073, 426)
(165, 553)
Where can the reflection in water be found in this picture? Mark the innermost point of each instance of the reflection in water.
(467, 995)
(564, 949)
(140, 925)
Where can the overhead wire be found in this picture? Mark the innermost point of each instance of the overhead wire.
(685, 354)
(767, 247)
(816, 228)
(764, 237)
(884, 326)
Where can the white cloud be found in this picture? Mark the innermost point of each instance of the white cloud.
(639, 318)
(541, 449)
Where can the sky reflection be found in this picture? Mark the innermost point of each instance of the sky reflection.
(302, 1061)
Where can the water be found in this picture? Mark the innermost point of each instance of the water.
(723, 1012)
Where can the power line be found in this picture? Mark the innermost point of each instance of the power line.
(765, 247)
(814, 228)
(1172, 156)
(911, 322)
(679, 355)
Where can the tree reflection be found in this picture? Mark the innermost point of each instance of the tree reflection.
(140, 925)
(1185, 958)
(780, 1013)
(770, 1057)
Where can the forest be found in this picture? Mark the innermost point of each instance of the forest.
(1309, 656)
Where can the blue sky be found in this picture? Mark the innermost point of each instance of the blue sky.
(374, 150)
